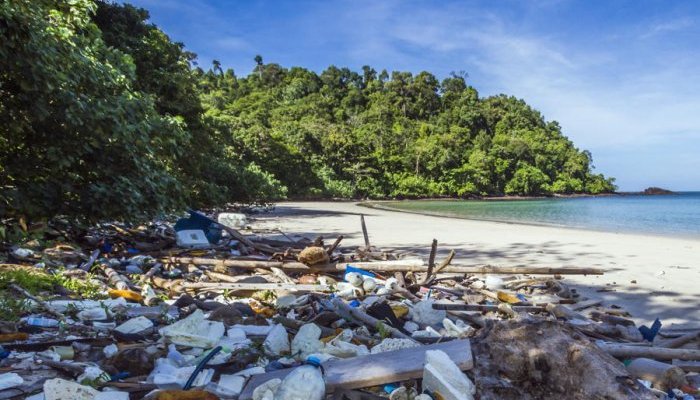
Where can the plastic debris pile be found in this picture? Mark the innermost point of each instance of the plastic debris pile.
(213, 309)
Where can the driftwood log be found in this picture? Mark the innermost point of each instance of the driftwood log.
(380, 266)
(656, 353)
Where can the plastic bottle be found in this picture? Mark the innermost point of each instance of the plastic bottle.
(41, 322)
(304, 383)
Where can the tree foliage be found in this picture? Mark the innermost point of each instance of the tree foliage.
(103, 116)
(354, 134)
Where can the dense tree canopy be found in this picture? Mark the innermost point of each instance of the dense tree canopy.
(103, 116)
(351, 134)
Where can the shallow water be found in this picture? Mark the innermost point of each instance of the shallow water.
(674, 215)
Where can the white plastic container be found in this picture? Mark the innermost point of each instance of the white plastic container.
(192, 238)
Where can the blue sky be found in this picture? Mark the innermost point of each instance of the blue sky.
(622, 77)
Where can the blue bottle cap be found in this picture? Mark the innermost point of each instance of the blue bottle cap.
(313, 361)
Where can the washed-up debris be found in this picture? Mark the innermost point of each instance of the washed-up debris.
(199, 310)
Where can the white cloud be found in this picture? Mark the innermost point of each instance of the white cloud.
(668, 26)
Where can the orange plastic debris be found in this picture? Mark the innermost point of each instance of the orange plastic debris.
(11, 337)
(261, 309)
(508, 298)
(126, 294)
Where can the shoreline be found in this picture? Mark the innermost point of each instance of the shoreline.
(649, 276)
(376, 204)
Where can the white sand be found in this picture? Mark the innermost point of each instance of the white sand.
(666, 270)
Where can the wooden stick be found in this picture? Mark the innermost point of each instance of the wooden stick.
(364, 231)
(445, 262)
(611, 319)
(582, 305)
(346, 311)
(282, 275)
(42, 303)
(382, 266)
(223, 265)
(223, 277)
(431, 263)
(680, 341)
(418, 266)
(334, 245)
(483, 307)
(114, 278)
(656, 353)
(256, 286)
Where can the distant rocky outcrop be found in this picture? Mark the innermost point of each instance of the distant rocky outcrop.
(656, 190)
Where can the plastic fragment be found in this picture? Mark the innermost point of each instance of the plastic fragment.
(442, 376)
(126, 294)
(277, 341)
(138, 325)
(305, 382)
(194, 331)
(267, 390)
(9, 380)
(423, 313)
(110, 351)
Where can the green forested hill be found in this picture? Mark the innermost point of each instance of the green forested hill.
(103, 116)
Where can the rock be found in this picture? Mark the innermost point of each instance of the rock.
(653, 190)
(228, 314)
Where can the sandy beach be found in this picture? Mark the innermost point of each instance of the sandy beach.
(666, 269)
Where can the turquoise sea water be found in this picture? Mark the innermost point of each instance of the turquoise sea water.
(676, 215)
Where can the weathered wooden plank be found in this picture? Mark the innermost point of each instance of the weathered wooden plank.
(375, 369)
(687, 366)
(582, 305)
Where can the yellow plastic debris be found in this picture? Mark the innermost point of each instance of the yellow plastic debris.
(126, 294)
